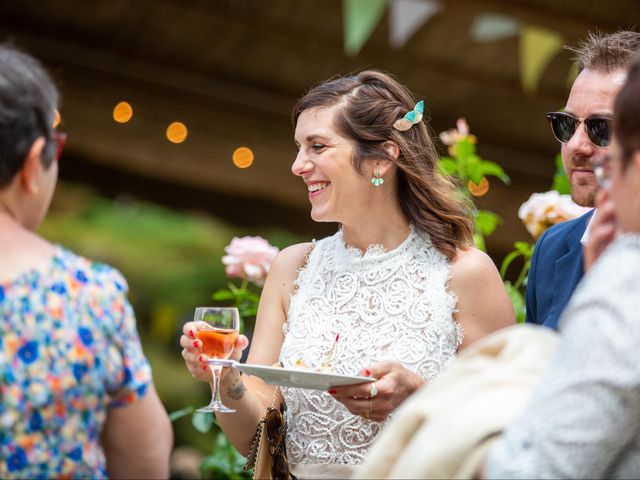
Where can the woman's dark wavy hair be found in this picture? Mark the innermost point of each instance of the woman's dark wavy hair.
(626, 113)
(28, 99)
(369, 103)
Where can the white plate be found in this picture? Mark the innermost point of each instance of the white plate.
(293, 377)
(222, 363)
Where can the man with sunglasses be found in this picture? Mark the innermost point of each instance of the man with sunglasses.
(584, 130)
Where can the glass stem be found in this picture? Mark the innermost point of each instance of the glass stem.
(215, 385)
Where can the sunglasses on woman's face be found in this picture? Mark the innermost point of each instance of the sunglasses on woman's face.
(602, 171)
(59, 139)
(276, 431)
(564, 126)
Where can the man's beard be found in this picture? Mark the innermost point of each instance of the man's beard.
(583, 189)
(584, 195)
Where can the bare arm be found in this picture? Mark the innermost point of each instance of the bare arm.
(483, 304)
(250, 396)
(137, 439)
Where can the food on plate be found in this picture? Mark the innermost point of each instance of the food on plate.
(324, 367)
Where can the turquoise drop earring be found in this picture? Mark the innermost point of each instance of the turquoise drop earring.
(377, 180)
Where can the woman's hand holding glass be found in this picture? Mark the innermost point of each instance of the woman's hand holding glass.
(195, 358)
(212, 335)
(376, 400)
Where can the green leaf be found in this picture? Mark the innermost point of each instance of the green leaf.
(517, 300)
(222, 295)
(493, 169)
(448, 166)
(247, 311)
(479, 242)
(202, 422)
(465, 149)
(225, 461)
(561, 184)
(173, 416)
(560, 180)
(487, 221)
(235, 290)
(245, 295)
(215, 464)
(476, 168)
(472, 169)
(525, 248)
(507, 261)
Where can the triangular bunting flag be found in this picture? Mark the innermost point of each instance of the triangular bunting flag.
(490, 27)
(360, 18)
(573, 73)
(537, 47)
(407, 16)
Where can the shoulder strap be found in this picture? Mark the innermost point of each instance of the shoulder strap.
(255, 447)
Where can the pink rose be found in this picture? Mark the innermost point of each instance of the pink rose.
(249, 258)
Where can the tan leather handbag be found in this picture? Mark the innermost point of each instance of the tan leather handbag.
(268, 455)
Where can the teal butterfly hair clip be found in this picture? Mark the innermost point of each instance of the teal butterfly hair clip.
(411, 118)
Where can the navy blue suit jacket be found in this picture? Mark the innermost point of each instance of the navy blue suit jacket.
(556, 268)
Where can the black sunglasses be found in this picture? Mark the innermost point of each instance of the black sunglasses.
(564, 125)
(55, 145)
(602, 171)
(276, 431)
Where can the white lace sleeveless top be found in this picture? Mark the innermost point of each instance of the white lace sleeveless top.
(385, 305)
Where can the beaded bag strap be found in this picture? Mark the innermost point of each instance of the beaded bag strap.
(255, 443)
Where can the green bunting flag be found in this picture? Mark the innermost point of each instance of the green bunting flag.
(537, 47)
(573, 73)
(360, 18)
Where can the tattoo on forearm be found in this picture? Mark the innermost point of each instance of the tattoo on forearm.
(236, 390)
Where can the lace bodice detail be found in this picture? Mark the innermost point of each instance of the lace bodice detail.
(385, 305)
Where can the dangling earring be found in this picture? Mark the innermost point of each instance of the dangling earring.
(377, 180)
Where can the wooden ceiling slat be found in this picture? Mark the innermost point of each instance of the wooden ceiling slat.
(233, 69)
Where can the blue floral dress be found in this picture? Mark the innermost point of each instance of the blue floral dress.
(69, 350)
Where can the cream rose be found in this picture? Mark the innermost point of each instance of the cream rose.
(543, 210)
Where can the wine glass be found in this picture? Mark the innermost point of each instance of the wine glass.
(217, 329)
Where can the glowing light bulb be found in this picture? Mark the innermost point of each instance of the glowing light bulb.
(243, 157)
(122, 112)
(177, 132)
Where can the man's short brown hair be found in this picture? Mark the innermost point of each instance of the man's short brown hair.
(606, 52)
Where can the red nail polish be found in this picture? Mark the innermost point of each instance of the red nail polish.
(367, 372)
(204, 367)
(195, 344)
(200, 358)
(192, 334)
(331, 392)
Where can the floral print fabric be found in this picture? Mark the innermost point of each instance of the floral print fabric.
(69, 350)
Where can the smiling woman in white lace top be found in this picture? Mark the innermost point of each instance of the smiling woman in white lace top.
(399, 282)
